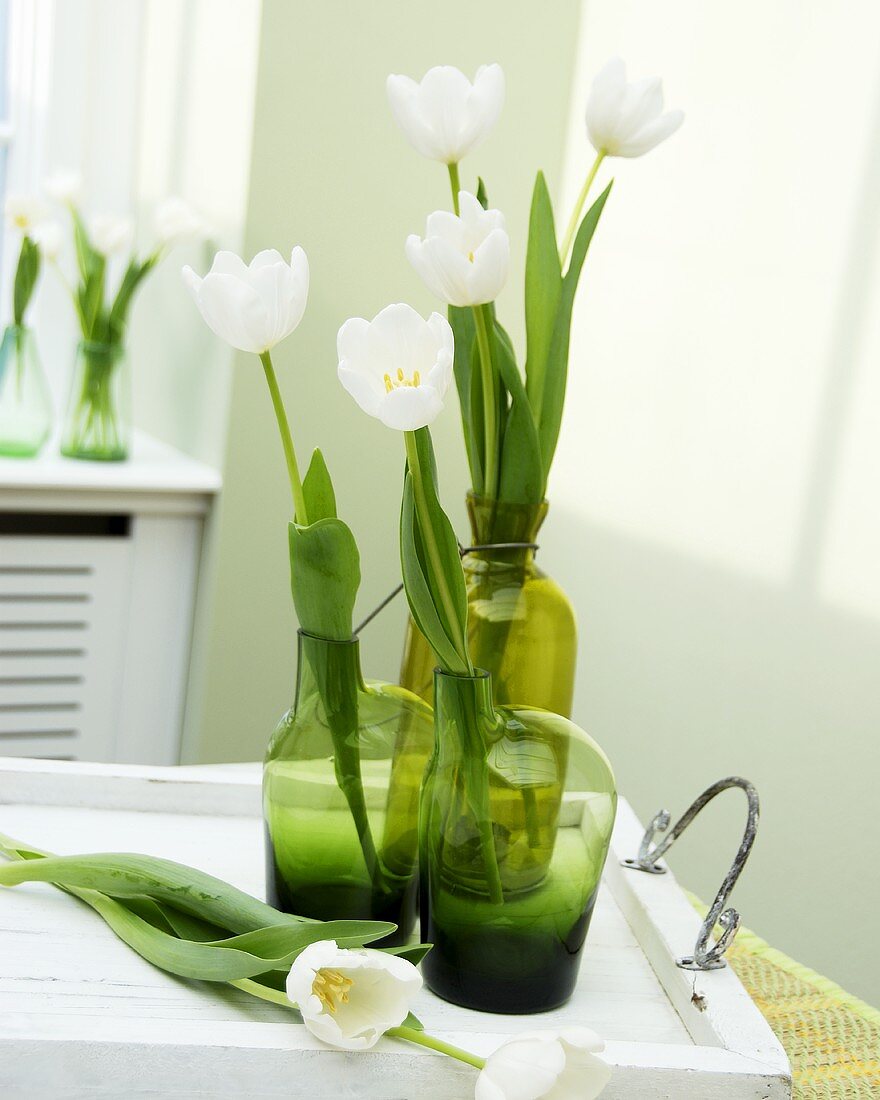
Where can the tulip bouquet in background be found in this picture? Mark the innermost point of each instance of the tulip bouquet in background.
(199, 928)
(331, 851)
(98, 419)
(25, 405)
(522, 627)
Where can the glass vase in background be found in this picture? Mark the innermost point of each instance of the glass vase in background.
(521, 625)
(25, 403)
(341, 793)
(516, 817)
(98, 420)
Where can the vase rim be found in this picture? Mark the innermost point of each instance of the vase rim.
(352, 641)
(477, 674)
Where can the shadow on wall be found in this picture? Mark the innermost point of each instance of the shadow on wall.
(689, 672)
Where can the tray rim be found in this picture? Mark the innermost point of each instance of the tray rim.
(735, 1052)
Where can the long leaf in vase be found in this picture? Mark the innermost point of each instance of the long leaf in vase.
(550, 417)
(461, 320)
(521, 473)
(543, 288)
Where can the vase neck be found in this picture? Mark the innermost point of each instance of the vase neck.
(327, 667)
(497, 521)
(463, 708)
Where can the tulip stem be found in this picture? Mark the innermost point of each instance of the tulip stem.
(411, 1035)
(296, 489)
(455, 184)
(429, 540)
(575, 218)
(263, 992)
(490, 420)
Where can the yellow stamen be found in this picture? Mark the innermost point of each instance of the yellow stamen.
(401, 380)
(331, 988)
(471, 256)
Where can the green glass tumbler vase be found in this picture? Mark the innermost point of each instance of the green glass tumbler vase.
(521, 625)
(341, 793)
(516, 816)
(98, 421)
(25, 404)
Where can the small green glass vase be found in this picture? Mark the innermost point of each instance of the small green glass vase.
(98, 421)
(341, 793)
(521, 625)
(25, 404)
(516, 817)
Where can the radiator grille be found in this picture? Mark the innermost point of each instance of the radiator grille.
(60, 643)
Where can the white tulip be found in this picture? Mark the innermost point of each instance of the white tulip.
(627, 120)
(175, 220)
(64, 186)
(252, 307)
(350, 998)
(398, 366)
(464, 258)
(110, 234)
(445, 116)
(555, 1065)
(23, 212)
(49, 237)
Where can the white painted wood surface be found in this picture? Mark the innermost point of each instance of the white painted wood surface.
(83, 1016)
(96, 626)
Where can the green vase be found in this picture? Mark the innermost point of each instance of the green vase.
(516, 817)
(341, 793)
(25, 405)
(98, 421)
(521, 626)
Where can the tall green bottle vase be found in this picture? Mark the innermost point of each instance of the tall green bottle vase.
(521, 625)
(341, 790)
(516, 816)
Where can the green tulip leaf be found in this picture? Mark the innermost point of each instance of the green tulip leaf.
(124, 875)
(550, 417)
(543, 289)
(26, 274)
(521, 474)
(461, 320)
(318, 489)
(325, 574)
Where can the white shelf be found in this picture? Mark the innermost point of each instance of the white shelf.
(153, 470)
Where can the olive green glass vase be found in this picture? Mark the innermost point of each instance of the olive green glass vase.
(516, 816)
(340, 793)
(521, 625)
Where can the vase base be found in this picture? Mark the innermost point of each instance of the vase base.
(95, 456)
(20, 450)
(494, 969)
(342, 901)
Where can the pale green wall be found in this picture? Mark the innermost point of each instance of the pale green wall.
(331, 172)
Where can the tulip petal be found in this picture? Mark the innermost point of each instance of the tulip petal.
(489, 269)
(652, 134)
(410, 407)
(227, 263)
(234, 311)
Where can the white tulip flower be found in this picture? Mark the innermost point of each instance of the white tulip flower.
(175, 220)
(556, 1065)
(110, 234)
(23, 212)
(350, 998)
(627, 120)
(398, 366)
(252, 307)
(445, 116)
(464, 258)
(49, 237)
(64, 186)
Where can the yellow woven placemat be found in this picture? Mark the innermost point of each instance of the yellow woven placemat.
(832, 1039)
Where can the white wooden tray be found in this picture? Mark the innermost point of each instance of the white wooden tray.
(81, 1015)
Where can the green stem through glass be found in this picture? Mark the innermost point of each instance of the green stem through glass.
(430, 543)
(575, 218)
(490, 417)
(299, 502)
(454, 184)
